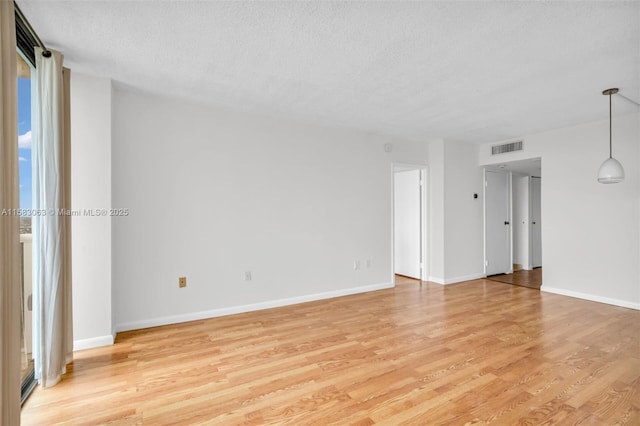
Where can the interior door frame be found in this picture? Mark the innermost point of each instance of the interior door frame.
(424, 223)
(510, 210)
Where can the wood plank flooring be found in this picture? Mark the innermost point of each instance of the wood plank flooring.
(523, 278)
(479, 352)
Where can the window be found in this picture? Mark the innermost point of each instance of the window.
(24, 164)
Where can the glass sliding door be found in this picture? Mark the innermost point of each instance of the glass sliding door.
(24, 163)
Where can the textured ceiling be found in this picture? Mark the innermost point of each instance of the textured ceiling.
(470, 71)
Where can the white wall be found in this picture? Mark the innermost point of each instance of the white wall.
(214, 194)
(455, 217)
(436, 233)
(590, 232)
(464, 217)
(91, 189)
(520, 219)
(410, 152)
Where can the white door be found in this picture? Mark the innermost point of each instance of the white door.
(497, 226)
(536, 223)
(407, 230)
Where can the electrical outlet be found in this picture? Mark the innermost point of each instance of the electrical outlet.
(182, 282)
(356, 265)
(247, 275)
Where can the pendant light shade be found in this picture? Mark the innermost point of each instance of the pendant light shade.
(611, 170)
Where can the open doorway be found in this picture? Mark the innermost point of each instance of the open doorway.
(409, 221)
(513, 223)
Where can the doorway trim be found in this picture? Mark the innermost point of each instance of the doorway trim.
(424, 223)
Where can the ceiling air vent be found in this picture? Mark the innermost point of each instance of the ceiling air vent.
(506, 147)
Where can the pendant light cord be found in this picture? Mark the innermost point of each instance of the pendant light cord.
(610, 153)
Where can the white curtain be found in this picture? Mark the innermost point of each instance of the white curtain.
(52, 322)
(9, 223)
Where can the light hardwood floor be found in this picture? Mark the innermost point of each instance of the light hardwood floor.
(479, 352)
(524, 278)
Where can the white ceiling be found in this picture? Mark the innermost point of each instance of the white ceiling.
(470, 71)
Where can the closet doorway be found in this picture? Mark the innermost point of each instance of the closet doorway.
(519, 184)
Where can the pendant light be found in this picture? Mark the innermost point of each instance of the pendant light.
(611, 170)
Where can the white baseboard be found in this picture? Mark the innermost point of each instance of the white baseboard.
(93, 342)
(445, 281)
(591, 297)
(194, 316)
